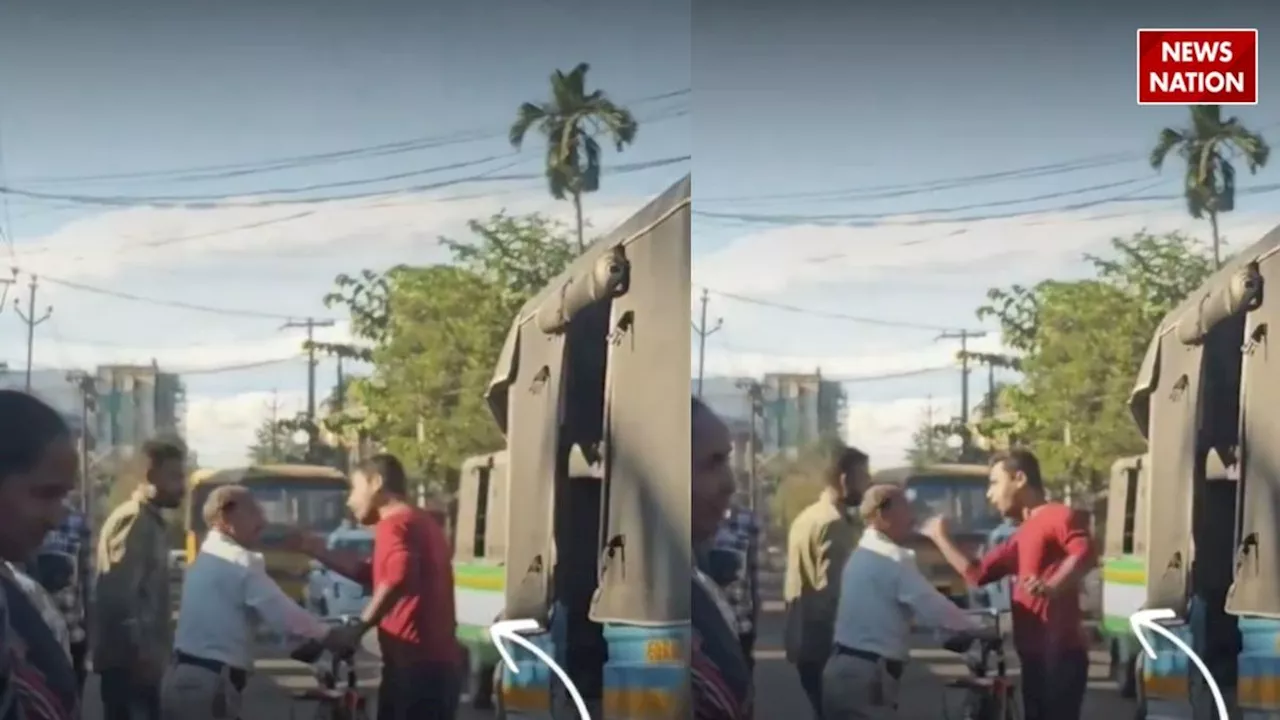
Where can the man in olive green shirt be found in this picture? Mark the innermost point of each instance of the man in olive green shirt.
(132, 607)
(819, 542)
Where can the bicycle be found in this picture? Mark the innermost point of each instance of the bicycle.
(348, 702)
(986, 697)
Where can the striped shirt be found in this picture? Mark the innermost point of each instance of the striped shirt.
(71, 540)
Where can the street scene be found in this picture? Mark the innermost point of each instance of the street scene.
(329, 343)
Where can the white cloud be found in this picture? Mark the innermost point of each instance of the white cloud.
(275, 260)
(144, 239)
(772, 261)
(221, 428)
(930, 276)
(883, 430)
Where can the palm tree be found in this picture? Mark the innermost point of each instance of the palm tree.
(571, 122)
(1208, 147)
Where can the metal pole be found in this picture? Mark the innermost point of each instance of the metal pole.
(32, 321)
(703, 333)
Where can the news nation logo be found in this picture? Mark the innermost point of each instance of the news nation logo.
(1198, 67)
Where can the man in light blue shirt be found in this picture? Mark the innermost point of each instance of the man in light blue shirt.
(999, 594)
(882, 595)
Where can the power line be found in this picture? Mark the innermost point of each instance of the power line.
(888, 191)
(827, 313)
(942, 210)
(208, 202)
(229, 170)
(879, 220)
(882, 192)
(234, 312)
(234, 368)
(887, 376)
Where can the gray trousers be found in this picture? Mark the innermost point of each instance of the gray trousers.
(195, 693)
(858, 689)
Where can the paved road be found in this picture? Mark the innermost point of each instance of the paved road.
(269, 695)
(922, 697)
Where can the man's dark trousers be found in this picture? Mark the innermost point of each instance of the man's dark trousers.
(125, 699)
(1053, 687)
(811, 680)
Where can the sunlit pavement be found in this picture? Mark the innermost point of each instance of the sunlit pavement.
(922, 694)
(269, 695)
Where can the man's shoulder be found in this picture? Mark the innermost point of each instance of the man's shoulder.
(1052, 516)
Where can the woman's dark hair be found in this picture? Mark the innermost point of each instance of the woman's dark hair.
(27, 427)
(388, 467)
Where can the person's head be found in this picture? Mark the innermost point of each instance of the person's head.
(711, 477)
(887, 509)
(233, 511)
(846, 472)
(166, 472)
(38, 469)
(1015, 483)
(376, 482)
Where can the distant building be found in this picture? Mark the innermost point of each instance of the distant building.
(137, 403)
(799, 410)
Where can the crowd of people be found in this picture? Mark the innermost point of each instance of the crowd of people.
(852, 589)
(854, 594)
(147, 669)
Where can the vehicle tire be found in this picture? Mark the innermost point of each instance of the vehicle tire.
(483, 687)
(1140, 707)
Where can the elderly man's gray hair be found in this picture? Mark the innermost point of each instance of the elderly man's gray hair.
(223, 500)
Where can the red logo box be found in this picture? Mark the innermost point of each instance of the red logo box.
(1198, 67)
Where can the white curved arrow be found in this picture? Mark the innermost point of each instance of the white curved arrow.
(510, 630)
(1149, 619)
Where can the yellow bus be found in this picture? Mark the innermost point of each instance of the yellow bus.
(310, 497)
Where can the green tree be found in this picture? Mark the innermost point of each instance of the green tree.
(1207, 148)
(571, 121)
(433, 335)
(1080, 345)
(929, 445)
(273, 443)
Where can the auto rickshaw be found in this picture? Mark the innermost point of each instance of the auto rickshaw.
(1208, 400)
(592, 393)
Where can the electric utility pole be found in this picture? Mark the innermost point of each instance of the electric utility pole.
(88, 388)
(32, 320)
(273, 408)
(964, 336)
(310, 324)
(703, 333)
(755, 395)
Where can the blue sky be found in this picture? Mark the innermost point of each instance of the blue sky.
(822, 98)
(827, 97)
(137, 87)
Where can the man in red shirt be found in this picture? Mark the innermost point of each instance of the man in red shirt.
(412, 605)
(1047, 556)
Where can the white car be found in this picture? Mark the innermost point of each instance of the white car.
(331, 595)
